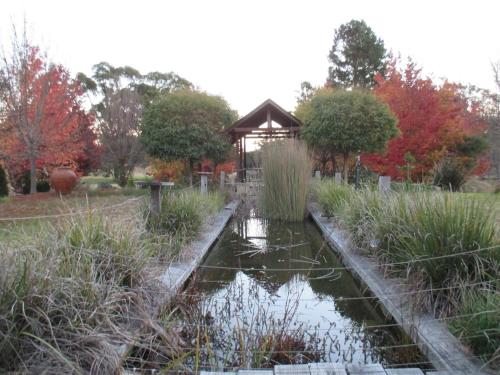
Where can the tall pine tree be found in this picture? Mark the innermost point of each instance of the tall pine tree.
(356, 56)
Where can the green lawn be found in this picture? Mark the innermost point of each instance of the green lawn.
(51, 204)
(89, 180)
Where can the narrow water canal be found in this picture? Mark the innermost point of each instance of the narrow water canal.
(267, 294)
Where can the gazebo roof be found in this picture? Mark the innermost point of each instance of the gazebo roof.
(267, 112)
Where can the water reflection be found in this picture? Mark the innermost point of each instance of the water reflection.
(262, 272)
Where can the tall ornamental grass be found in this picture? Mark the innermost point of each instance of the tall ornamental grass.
(331, 196)
(436, 225)
(478, 330)
(286, 173)
(406, 228)
(457, 233)
(182, 214)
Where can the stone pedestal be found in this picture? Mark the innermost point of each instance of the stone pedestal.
(222, 181)
(338, 178)
(384, 183)
(155, 198)
(204, 181)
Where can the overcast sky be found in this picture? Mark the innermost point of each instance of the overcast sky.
(248, 51)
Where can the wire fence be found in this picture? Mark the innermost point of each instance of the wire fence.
(328, 271)
(96, 209)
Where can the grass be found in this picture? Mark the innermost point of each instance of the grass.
(405, 227)
(61, 292)
(70, 287)
(480, 331)
(89, 180)
(286, 173)
(182, 215)
(52, 204)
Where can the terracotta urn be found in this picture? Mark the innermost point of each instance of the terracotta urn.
(63, 180)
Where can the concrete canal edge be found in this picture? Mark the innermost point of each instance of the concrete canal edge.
(432, 336)
(177, 273)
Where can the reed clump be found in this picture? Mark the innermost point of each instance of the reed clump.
(286, 173)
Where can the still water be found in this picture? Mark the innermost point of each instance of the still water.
(267, 294)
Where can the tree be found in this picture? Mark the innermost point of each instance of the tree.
(89, 157)
(347, 122)
(41, 114)
(187, 126)
(118, 131)
(434, 123)
(4, 190)
(493, 119)
(124, 93)
(357, 55)
(306, 92)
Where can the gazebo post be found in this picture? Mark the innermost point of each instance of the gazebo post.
(244, 158)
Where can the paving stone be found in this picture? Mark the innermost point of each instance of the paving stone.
(327, 369)
(291, 369)
(373, 369)
(404, 371)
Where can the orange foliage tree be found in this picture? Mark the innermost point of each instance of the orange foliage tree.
(43, 123)
(434, 123)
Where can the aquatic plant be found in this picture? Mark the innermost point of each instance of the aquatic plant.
(286, 173)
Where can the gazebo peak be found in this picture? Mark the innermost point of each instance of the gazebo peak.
(267, 112)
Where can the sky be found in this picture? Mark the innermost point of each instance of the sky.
(249, 51)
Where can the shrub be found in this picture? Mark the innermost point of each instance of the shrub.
(42, 186)
(4, 190)
(449, 175)
(286, 173)
(23, 184)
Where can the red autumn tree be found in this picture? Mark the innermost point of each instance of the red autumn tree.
(42, 120)
(434, 123)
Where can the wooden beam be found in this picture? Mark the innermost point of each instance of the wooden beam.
(265, 130)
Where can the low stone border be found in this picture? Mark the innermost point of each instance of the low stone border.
(432, 336)
(177, 273)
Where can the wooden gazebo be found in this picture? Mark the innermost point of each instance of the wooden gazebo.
(259, 124)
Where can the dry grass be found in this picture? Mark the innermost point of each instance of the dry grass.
(74, 288)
